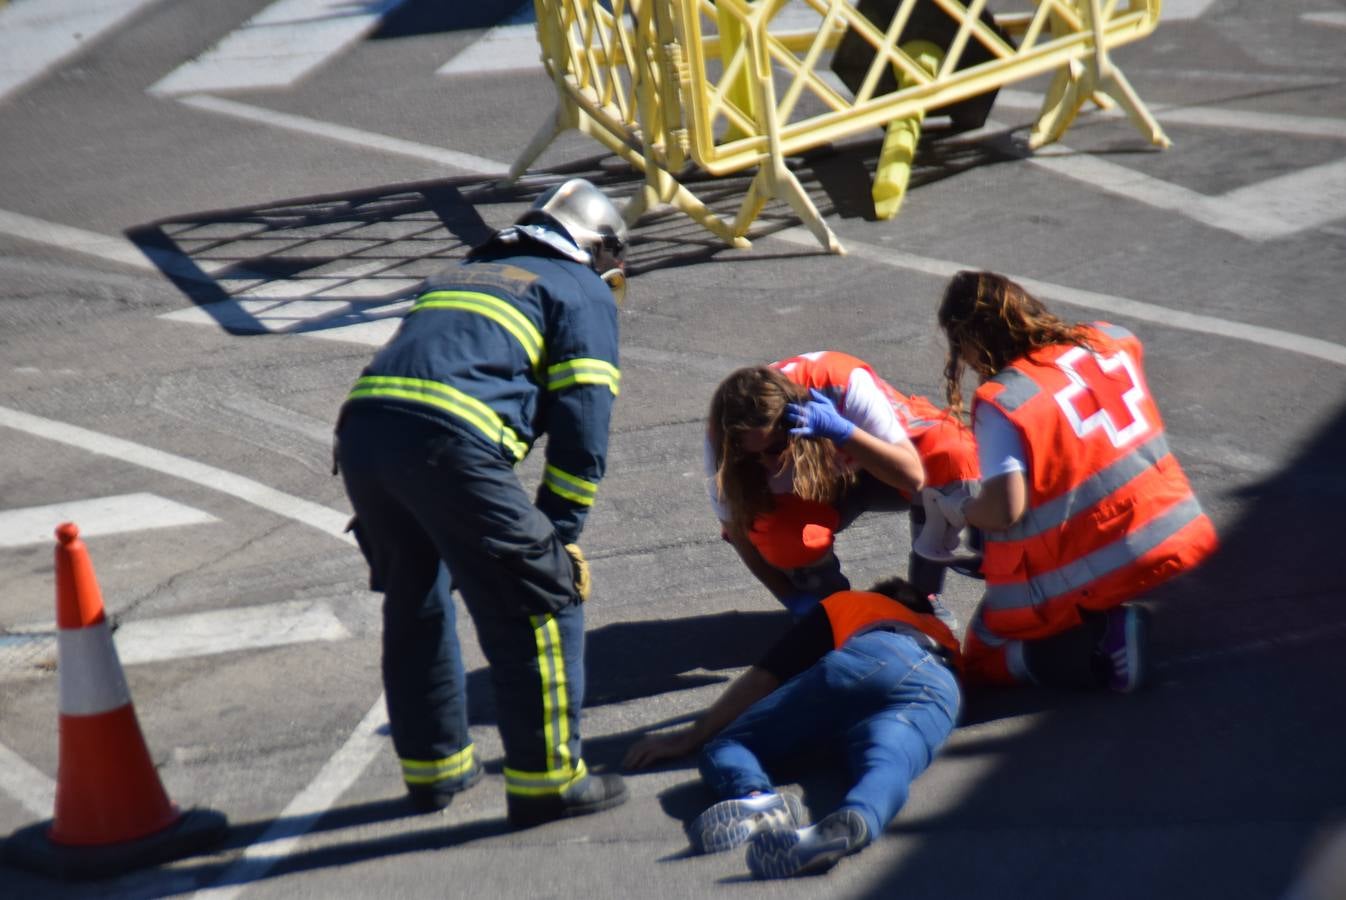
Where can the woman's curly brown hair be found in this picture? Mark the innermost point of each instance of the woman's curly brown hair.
(990, 321)
(751, 398)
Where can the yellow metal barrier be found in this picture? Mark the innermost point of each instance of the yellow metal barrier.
(734, 85)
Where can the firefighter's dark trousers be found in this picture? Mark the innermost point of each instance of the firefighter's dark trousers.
(437, 508)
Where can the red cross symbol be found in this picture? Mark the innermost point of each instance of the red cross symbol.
(1104, 392)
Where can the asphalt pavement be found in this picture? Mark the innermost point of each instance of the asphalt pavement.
(191, 278)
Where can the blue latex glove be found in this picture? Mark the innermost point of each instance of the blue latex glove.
(800, 604)
(819, 418)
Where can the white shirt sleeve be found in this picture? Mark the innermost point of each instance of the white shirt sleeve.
(868, 407)
(1000, 450)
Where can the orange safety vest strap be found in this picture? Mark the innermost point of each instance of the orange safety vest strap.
(853, 612)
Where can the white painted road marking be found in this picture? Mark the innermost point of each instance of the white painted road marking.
(37, 791)
(1179, 10)
(113, 249)
(326, 520)
(344, 135)
(27, 784)
(307, 807)
(1205, 116)
(103, 515)
(376, 331)
(227, 630)
(509, 46)
(304, 317)
(35, 36)
(512, 46)
(277, 47)
(1121, 306)
(1275, 208)
(1331, 19)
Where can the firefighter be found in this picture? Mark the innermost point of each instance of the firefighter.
(518, 340)
(865, 671)
(796, 450)
(1083, 506)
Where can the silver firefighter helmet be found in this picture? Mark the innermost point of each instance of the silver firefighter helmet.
(592, 221)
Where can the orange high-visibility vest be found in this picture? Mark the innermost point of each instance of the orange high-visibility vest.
(851, 612)
(945, 445)
(1110, 513)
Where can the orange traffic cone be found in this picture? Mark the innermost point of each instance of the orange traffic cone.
(112, 813)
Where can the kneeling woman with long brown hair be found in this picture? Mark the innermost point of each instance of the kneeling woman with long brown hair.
(1083, 507)
(797, 449)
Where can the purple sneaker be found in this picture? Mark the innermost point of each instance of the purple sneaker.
(1124, 646)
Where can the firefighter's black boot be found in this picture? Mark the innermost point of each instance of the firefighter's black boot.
(593, 793)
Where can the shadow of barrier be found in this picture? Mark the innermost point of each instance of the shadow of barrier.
(738, 85)
(346, 265)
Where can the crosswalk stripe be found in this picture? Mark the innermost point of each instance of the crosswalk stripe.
(24, 782)
(99, 516)
(305, 317)
(189, 635)
(504, 48)
(227, 630)
(325, 519)
(277, 47)
(1331, 19)
(34, 36)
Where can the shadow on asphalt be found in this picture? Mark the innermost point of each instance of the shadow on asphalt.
(630, 660)
(1213, 783)
(417, 17)
(1210, 784)
(318, 263)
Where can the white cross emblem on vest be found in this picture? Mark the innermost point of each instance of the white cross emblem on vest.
(1120, 417)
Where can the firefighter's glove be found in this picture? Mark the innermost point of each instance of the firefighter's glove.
(583, 583)
(819, 418)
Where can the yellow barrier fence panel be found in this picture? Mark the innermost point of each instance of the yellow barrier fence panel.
(608, 64)
(735, 85)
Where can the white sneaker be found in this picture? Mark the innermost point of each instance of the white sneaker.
(729, 823)
(785, 854)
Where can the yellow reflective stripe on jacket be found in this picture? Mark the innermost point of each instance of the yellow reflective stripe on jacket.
(504, 314)
(449, 399)
(584, 371)
(537, 784)
(429, 771)
(572, 487)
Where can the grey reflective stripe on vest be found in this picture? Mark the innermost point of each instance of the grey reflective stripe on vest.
(1057, 511)
(1047, 586)
(985, 634)
(1116, 332)
(1019, 389)
(972, 486)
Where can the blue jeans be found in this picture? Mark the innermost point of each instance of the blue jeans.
(883, 697)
